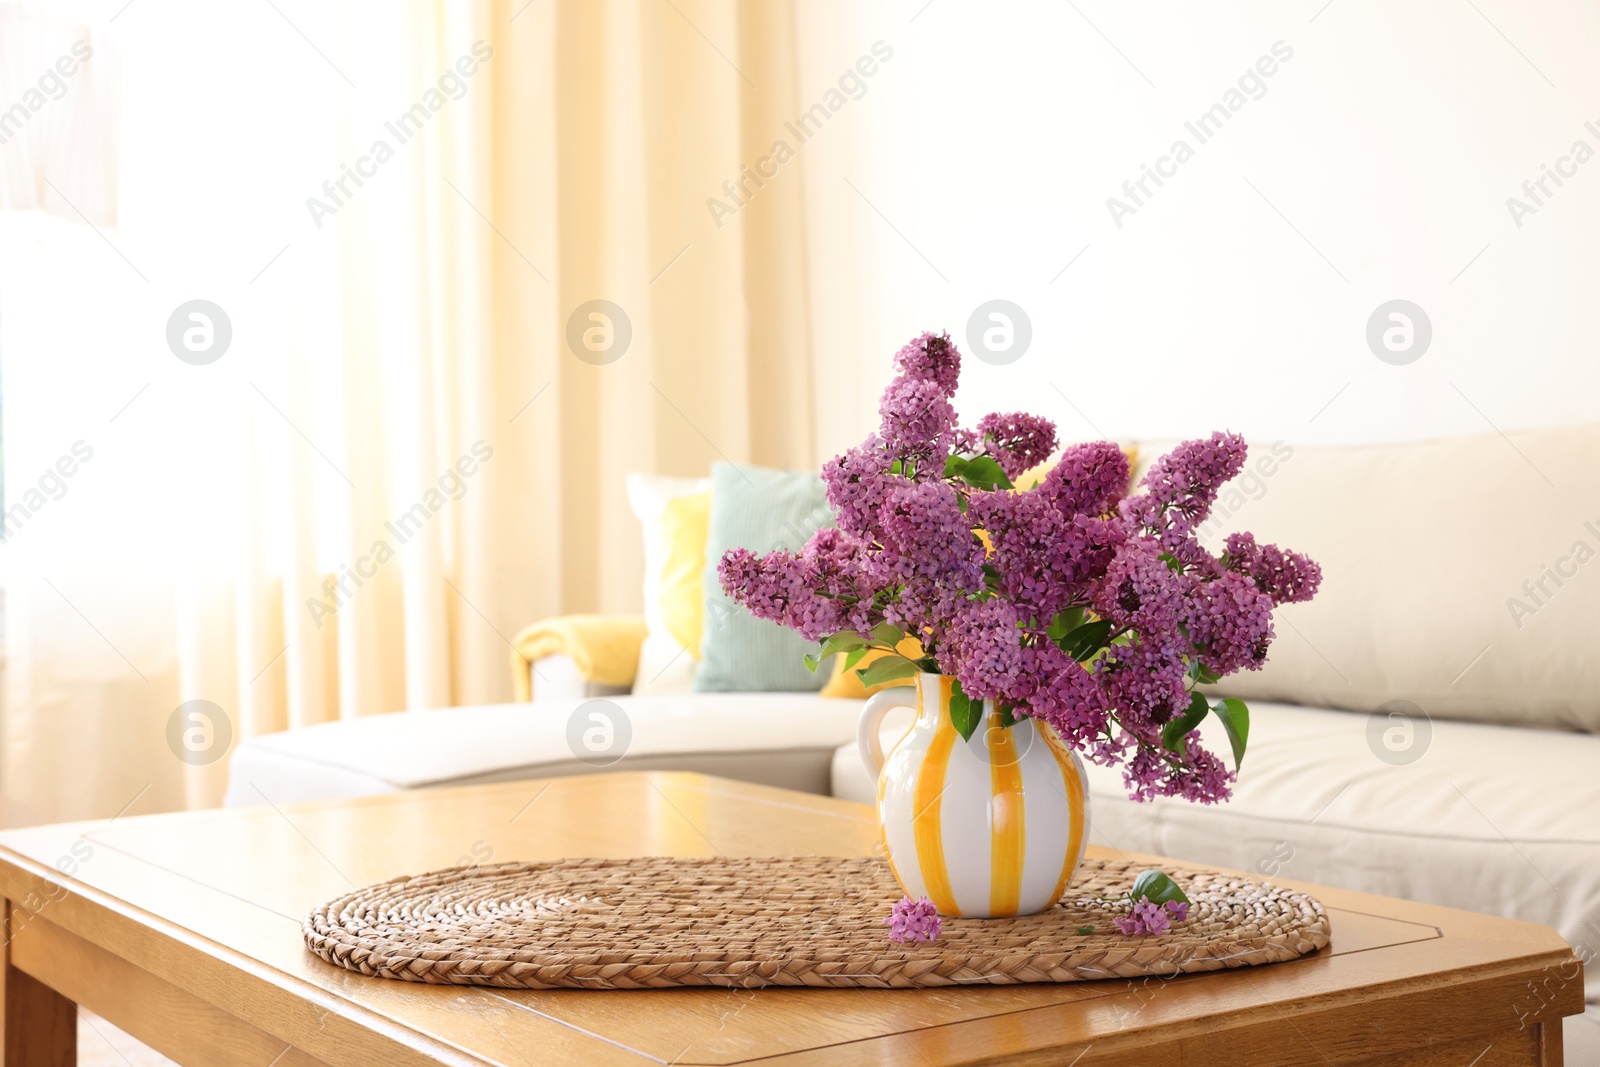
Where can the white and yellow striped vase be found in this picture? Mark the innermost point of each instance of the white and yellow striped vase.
(988, 827)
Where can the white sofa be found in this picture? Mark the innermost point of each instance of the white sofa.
(782, 739)
(1492, 807)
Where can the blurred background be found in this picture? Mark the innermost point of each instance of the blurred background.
(282, 282)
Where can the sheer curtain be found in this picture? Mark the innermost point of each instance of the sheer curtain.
(391, 212)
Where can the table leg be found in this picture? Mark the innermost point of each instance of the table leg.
(38, 1026)
(1550, 1052)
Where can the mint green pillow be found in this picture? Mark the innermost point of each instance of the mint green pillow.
(760, 510)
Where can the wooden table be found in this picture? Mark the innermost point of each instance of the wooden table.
(184, 930)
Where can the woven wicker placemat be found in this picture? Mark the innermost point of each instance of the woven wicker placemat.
(810, 921)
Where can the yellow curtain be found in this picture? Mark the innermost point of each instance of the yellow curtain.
(646, 122)
(401, 459)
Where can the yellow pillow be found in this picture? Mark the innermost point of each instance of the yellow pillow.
(685, 528)
(846, 685)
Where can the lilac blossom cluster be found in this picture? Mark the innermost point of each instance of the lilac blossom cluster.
(1073, 602)
(914, 920)
(1147, 918)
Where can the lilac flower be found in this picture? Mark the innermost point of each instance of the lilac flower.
(924, 607)
(1182, 485)
(924, 534)
(1088, 479)
(819, 592)
(916, 415)
(913, 920)
(1230, 623)
(1145, 682)
(746, 577)
(1043, 556)
(1148, 918)
(1287, 577)
(839, 592)
(1068, 697)
(984, 647)
(857, 482)
(1140, 590)
(931, 357)
(1192, 773)
(1017, 441)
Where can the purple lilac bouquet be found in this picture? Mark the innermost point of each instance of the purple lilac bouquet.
(1073, 602)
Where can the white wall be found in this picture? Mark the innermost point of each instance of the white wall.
(1391, 140)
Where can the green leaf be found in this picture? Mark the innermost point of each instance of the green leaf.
(886, 634)
(1236, 720)
(811, 662)
(1173, 733)
(1064, 623)
(980, 473)
(964, 711)
(1008, 717)
(1085, 931)
(1157, 887)
(843, 641)
(1202, 674)
(1084, 641)
(852, 658)
(1171, 561)
(886, 669)
(991, 578)
(953, 466)
(897, 467)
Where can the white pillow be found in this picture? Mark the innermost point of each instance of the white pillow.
(666, 668)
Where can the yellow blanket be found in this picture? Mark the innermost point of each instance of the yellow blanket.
(604, 647)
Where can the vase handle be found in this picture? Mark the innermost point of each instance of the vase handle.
(871, 723)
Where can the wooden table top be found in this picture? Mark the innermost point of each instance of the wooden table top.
(198, 915)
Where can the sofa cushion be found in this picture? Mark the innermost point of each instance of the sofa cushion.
(1487, 818)
(760, 510)
(666, 667)
(685, 527)
(1458, 575)
(780, 739)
